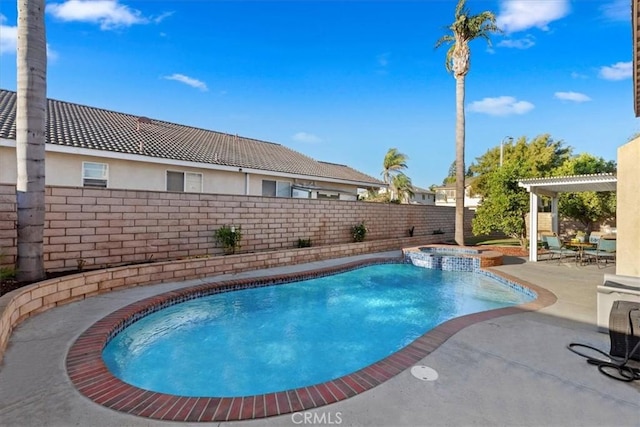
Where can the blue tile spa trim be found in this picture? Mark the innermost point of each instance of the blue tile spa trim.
(448, 259)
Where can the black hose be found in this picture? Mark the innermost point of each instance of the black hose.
(616, 367)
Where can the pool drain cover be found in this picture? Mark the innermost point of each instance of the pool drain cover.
(424, 373)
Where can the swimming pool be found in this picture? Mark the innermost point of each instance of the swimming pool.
(88, 373)
(276, 338)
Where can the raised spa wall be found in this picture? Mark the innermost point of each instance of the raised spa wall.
(452, 258)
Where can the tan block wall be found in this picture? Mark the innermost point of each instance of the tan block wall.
(106, 227)
(628, 220)
(8, 218)
(567, 227)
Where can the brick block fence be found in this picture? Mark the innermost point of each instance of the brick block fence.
(101, 228)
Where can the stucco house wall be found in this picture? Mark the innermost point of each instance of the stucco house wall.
(628, 220)
(130, 172)
(446, 196)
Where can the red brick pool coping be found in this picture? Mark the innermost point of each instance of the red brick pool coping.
(93, 379)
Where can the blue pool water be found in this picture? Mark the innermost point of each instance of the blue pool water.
(281, 337)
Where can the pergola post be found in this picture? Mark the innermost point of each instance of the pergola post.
(533, 226)
(554, 215)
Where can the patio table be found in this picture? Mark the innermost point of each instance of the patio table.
(580, 246)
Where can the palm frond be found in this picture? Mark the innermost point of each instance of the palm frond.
(460, 8)
(393, 164)
(446, 39)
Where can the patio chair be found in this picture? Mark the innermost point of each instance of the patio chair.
(556, 247)
(595, 236)
(606, 250)
(542, 239)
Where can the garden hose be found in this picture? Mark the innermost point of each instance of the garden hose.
(617, 367)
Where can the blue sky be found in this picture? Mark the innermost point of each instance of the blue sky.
(344, 81)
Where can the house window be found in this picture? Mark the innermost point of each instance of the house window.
(297, 193)
(276, 188)
(328, 195)
(95, 174)
(184, 182)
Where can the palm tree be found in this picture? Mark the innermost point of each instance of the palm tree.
(30, 138)
(404, 187)
(394, 163)
(464, 28)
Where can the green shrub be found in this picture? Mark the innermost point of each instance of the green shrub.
(229, 237)
(359, 231)
(6, 272)
(304, 243)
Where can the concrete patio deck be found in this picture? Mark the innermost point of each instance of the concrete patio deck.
(512, 370)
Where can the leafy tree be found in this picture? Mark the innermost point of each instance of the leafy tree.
(394, 164)
(539, 157)
(451, 177)
(586, 164)
(465, 28)
(505, 207)
(30, 138)
(588, 207)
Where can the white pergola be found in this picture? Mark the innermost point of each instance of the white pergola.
(551, 187)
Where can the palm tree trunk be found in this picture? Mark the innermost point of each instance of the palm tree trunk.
(30, 138)
(460, 168)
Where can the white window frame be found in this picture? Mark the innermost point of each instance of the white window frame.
(297, 193)
(104, 177)
(331, 195)
(185, 181)
(280, 186)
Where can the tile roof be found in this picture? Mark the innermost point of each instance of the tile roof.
(417, 189)
(80, 126)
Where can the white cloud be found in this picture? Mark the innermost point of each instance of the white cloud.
(576, 75)
(519, 15)
(108, 13)
(501, 106)
(8, 36)
(188, 81)
(616, 10)
(617, 71)
(523, 43)
(571, 96)
(9, 40)
(52, 55)
(158, 19)
(307, 138)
